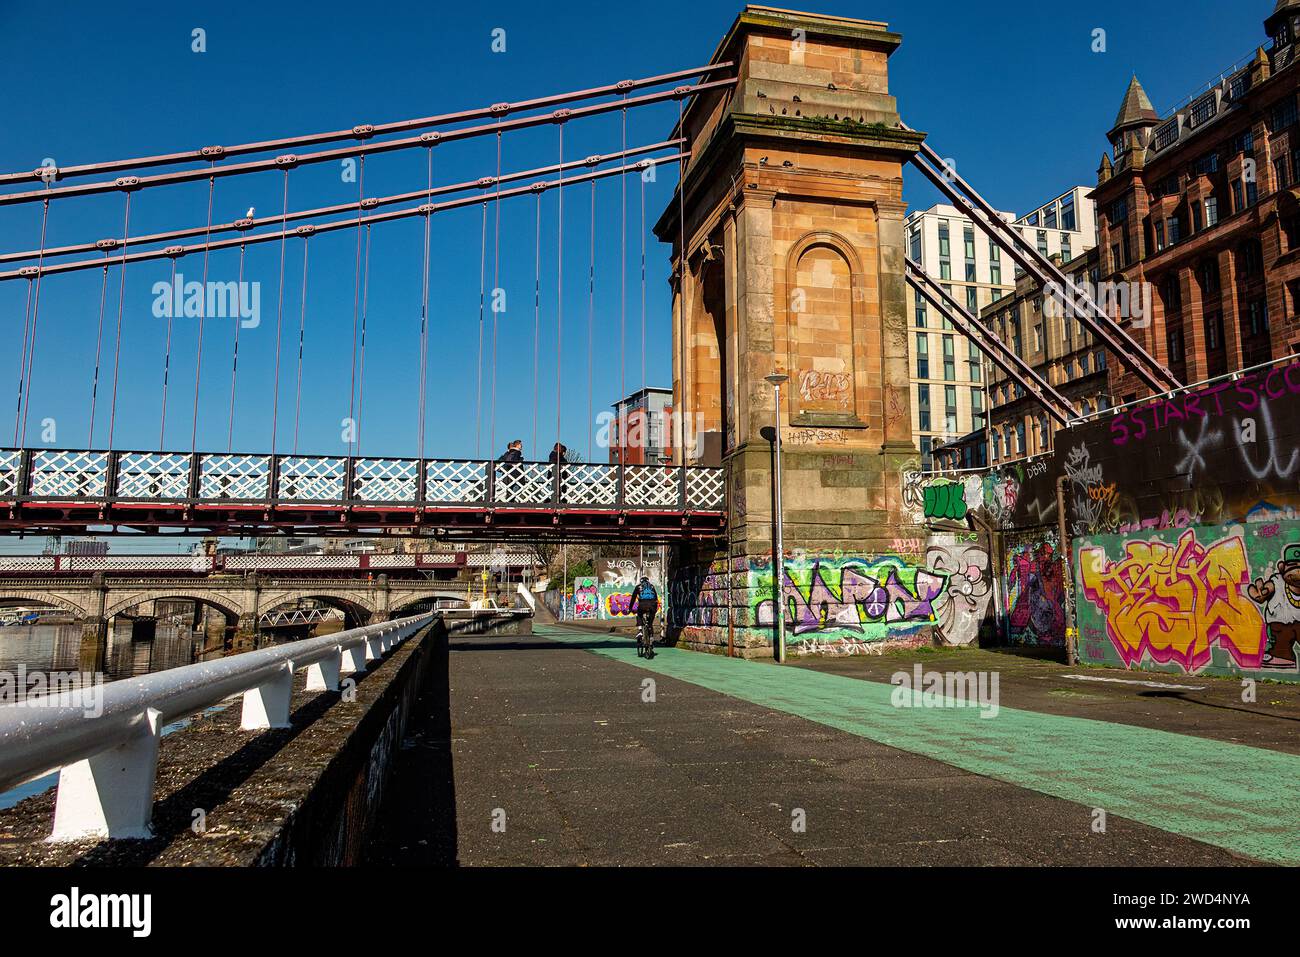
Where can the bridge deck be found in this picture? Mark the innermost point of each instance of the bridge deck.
(228, 493)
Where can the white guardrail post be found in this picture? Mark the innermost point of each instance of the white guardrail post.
(103, 740)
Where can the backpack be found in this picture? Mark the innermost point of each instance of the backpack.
(647, 593)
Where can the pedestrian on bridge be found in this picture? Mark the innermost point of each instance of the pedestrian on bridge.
(514, 452)
(559, 454)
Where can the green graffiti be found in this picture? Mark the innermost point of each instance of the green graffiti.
(945, 500)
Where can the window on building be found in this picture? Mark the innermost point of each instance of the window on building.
(1284, 114)
(1211, 211)
(1175, 229)
(922, 356)
(945, 269)
(1083, 364)
(1250, 258)
(977, 407)
(1160, 235)
(1176, 345)
(1118, 212)
(1101, 360)
(1198, 218)
(974, 360)
(949, 359)
(1214, 332)
(1038, 337)
(920, 310)
(1066, 252)
(972, 300)
(950, 409)
(1068, 219)
(1208, 275)
(1257, 315)
(968, 243)
(1166, 134)
(1203, 109)
(1280, 171)
(1042, 242)
(1171, 293)
(997, 444)
(916, 247)
(995, 274)
(1252, 192)
(1020, 438)
(923, 407)
(1238, 197)
(1207, 164)
(927, 444)
(945, 245)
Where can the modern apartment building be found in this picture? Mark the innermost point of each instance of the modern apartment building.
(1203, 204)
(949, 375)
(641, 432)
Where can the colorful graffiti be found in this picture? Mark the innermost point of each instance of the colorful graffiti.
(1035, 593)
(1175, 601)
(969, 586)
(945, 500)
(886, 593)
(615, 601)
(585, 598)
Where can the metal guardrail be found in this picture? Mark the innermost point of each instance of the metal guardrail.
(289, 481)
(103, 740)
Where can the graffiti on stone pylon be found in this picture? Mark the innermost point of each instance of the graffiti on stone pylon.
(863, 597)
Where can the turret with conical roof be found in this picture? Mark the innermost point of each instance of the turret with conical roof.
(1133, 125)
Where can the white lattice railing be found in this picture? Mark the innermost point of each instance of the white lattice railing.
(455, 483)
(524, 483)
(239, 477)
(153, 475)
(313, 479)
(652, 487)
(231, 477)
(593, 485)
(10, 465)
(385, 480)
(69, 474)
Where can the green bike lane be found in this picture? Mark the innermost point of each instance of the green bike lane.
(1232, 796)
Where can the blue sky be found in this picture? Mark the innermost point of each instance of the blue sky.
(1012, 91)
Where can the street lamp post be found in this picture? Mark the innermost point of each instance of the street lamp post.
(777, 379)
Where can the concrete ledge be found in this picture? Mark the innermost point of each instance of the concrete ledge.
(307, 794)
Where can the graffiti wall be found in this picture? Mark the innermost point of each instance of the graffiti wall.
(586, 598)
(1033, 589)
(1219, 599)
(933, 592)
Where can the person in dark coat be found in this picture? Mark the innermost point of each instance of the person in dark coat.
(558, 454)
(514, 452)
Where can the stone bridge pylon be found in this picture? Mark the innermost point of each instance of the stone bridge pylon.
(788, 254)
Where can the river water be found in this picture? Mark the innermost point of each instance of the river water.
(58, 648)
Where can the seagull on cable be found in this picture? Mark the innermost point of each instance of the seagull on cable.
(249, 214)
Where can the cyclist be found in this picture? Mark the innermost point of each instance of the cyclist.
(645, 603)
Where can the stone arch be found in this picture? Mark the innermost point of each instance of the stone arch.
(50, 599)
(824, 307)
(401, 605)
(228, 605)
(357, 610)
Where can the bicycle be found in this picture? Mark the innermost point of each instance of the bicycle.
(645, 638)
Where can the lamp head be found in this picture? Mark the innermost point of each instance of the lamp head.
(778, 378)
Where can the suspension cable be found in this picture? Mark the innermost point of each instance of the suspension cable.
(622, 315)
(537, 318)
(361, 375)
(99, 345)
(361, 205)
(117, 346)
(591, 326)
(366, 131)
(203, 315)
(349, 223)
(482, 315)
(279, 318)
(681, 281)
(644, 384)
(29, 356)
(559, 305)
(329, 156)
(496, 293)
(424, 320)
(302, 337)
(356, 303)
(167, 360)
(234, 362)
(22, 359)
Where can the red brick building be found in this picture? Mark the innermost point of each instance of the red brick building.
(1204, 204)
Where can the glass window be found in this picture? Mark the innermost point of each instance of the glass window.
(916, 246)
(1211, 211)
(922, 356)
(923, 407)
(920, 310)
(944, 239)
(1067, 213)
(949, 359)
(972, 301)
